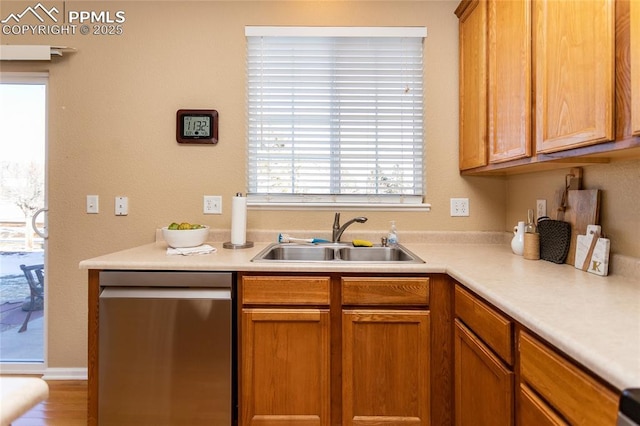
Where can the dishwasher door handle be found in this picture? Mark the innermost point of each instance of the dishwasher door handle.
(165, 293)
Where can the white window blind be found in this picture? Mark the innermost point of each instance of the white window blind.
(335, 114)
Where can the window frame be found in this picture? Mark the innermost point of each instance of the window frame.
(380, 202)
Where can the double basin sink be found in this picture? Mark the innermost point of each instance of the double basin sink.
(335, 252)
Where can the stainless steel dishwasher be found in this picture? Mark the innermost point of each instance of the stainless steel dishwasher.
(166, 348)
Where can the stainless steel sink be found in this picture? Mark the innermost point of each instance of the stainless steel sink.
(376, 254)
(335, 252)
(291, 252)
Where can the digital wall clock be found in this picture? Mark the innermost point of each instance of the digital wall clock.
(197, 126)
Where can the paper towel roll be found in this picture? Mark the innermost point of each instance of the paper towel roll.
(239, 220)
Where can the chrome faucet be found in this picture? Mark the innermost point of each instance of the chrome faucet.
(338, 230)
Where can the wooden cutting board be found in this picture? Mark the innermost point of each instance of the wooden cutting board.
(583, 208)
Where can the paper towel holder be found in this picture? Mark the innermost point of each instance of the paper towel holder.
(230, 245)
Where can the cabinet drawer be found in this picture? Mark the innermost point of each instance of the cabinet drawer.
(574, 394)
(493, 328)
(385, 291)
(274, 290)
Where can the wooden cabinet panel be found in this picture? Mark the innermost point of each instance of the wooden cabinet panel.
(278, 290)
(509, 80)
(483, 385)
(473, 83)
(574, 73)
(385, 291)
(385, 362)
(577, 396)
(635, 66)
(532, 411)
(492, 327)
(285, 367)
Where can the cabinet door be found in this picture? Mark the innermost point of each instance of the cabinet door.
(577, 396)
(473, 85)
(635, 66)
(509, 80)
(483, 385)
(574, 73)
(285, 368)
(532, 411)
(385, 367)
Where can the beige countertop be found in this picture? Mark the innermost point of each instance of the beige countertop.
(593, 319)
(19, 395)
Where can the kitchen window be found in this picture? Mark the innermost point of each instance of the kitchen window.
(335, 117)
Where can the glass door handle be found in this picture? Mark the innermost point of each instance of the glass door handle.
(44, 234)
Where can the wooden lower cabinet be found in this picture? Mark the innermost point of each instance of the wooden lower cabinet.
(483, 385)
(385, 367)
(334, 350)
(285, 367)
(533, 411)
(410, 350)
(562, 387)
(484, 359)
(285, 344)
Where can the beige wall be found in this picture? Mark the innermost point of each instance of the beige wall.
(619, 182)
(112, 132)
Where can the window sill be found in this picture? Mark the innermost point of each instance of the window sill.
(410, 207)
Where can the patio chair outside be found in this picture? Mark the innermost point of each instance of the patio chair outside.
(35, 278)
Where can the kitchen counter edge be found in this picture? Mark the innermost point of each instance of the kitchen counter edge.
(593, 319)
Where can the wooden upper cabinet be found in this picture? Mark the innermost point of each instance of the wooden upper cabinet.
(574, 60)
(509, 80)
(635, 66)
(495, 81)
(473, 83)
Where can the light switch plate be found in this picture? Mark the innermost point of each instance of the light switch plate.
(92, 204)
(122, 206)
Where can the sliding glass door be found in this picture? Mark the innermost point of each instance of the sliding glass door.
(23, 130)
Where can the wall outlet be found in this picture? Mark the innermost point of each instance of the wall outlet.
(212, 204)
(92, 204)
(459, 207)
(541, 208)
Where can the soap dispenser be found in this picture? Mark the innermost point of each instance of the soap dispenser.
(392, 237)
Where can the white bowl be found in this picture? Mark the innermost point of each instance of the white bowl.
(185, 237)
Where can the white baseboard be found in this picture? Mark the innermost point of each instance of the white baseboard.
(22, 369)
(65, 374)
(38, 369)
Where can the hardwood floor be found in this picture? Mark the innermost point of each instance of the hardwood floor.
(66, 406)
